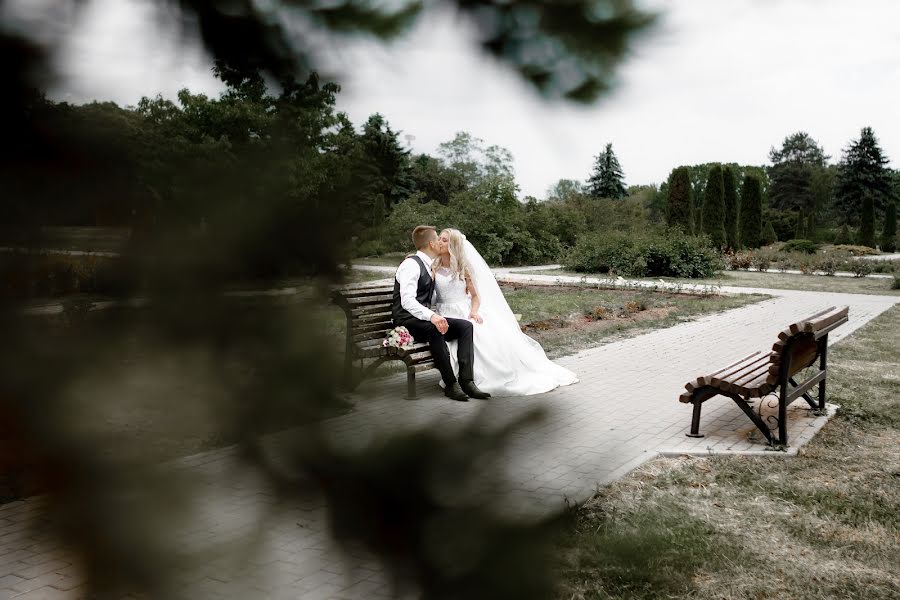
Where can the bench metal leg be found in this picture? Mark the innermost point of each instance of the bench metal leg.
(748, 410)
(823, 365)
(806, 396)
(410, 383)
(695, 420)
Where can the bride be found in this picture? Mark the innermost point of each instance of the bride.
(507, 362)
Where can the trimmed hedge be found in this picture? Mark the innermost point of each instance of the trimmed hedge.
(667, 254)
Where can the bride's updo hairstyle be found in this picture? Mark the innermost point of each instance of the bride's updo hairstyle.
(457, 249)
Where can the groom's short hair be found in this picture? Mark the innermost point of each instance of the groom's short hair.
(422, 235)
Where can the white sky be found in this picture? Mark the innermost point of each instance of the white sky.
(714, 81)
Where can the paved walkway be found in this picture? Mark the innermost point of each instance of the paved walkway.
(623, 412)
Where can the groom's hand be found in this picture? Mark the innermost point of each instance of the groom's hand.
(441, 323)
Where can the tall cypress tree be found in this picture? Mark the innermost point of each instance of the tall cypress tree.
(606, 181)
(731, 208)
(889, 235)
(713, 216)
(751, 212)
(867, 221)
(678, 201)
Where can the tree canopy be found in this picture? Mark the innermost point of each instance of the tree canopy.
(607, 178)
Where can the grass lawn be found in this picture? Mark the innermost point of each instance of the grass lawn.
(825, 524)
(771, 280)
(565, 319)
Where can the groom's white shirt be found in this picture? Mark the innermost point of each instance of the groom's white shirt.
(408, 274)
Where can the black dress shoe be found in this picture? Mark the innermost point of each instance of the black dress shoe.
(454, 392)
(472, 390)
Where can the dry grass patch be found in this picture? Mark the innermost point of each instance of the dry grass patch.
(822, 525)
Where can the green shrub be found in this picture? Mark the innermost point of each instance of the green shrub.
(895, 285)
(669, 253)
(826, 264)
(740, 261)
(844, 236)
(807, 246)
(762, 259)
(860, 267)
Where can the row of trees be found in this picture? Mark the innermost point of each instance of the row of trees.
(798, 196)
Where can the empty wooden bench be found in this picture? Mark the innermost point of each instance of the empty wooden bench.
(798, 347)
(368, 312)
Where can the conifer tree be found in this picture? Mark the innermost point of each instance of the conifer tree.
(863, 169)
(751, 212)
(607, 179)
(731, 208)
(713, 216)
(768, 236)
(867, 221)
(889, 234)
(678, 200)
(844, 236)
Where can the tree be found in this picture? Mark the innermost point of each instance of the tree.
(844, 236)
(678, 200)
(607, 179)
(434, 180)
(731, 208)
(889, 234)
(467, 156)
(867, 220)
(712, 221)
(793, 173)
(862, 170)
(751, 212)
(768, 235)
(565, 189)
(388, 159)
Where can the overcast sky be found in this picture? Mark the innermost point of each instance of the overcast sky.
(714, 81)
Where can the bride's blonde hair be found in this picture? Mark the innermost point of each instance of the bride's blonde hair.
(459, 266)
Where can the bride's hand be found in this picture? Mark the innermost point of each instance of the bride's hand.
(476, 317)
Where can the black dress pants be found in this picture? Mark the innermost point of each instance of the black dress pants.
(460, 330)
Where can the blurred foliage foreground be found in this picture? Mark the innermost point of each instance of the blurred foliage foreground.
(264, 196)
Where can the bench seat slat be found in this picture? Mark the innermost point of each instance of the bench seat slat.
(367, 300)
(760, 360)
(706, 379)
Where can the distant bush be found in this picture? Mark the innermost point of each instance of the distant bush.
(826, 264)
(668, 253)
(807, 246)
(762, 259)
(739, 261)
(860, 267)
(855, 250)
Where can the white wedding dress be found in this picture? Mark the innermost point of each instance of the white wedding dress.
(507, 362)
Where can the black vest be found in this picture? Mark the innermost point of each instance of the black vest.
(424, 292)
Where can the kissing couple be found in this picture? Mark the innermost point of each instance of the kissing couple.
(446, 296)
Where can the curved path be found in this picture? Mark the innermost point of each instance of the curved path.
(623, 412)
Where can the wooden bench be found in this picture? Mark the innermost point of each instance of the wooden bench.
(368, 312)
(761, 373)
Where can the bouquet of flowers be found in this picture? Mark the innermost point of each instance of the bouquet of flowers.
(398, 337)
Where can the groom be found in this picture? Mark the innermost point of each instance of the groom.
(413, 290)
